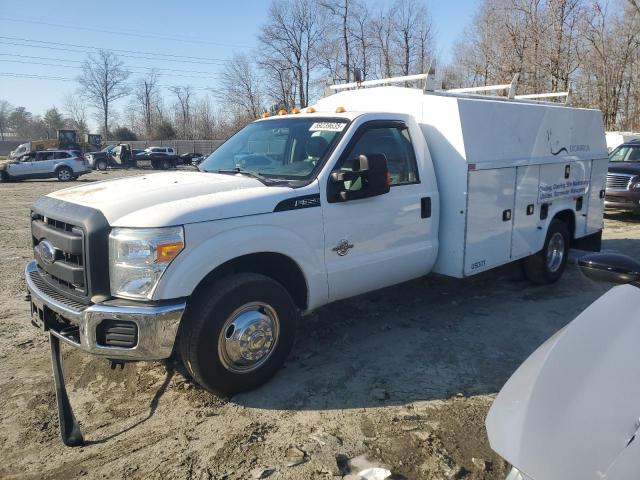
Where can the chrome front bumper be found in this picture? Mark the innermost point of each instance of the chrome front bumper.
(157, 325)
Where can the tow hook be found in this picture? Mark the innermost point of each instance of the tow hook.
(117, 363)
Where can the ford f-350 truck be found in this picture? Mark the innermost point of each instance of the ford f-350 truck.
(368, 188)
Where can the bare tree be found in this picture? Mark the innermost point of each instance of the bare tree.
(147, 94)
(5, 112)
(359, 30)
(340, 10)
(76, 111)
(413, 34)
(239, 86)
(184, 95)
(103, 81)
(383, 29)
(292, 35)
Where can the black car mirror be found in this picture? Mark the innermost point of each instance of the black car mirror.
(610, 267)
(368, 177)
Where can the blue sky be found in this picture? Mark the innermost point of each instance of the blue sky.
(209, 30)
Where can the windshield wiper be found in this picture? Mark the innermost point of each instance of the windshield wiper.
(248, 173)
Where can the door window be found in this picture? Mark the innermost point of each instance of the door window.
(619, 154)
(43, 156)
(391, 141)
(634, 155)
(61, 155)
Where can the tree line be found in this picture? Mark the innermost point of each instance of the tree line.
(589, 46)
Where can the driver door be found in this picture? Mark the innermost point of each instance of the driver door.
(378, 241)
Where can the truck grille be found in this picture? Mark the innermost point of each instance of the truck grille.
(59, 250)
(618, 181)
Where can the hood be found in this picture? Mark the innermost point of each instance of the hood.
(175, 198)
(571, 410)
(632, 168)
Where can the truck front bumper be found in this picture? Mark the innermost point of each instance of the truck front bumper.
(150, 329)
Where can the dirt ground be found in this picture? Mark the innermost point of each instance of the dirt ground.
(403, 376)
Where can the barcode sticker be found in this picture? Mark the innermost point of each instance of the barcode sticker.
(327, 127)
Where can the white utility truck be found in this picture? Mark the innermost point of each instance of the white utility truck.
(368, 188)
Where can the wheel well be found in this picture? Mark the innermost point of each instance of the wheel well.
(569, 219)
(277, 266)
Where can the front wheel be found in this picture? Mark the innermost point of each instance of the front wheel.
(237, 332)
(547, 266)
(101, 165)
(64, 174)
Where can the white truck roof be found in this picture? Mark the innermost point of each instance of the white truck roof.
(485, 130)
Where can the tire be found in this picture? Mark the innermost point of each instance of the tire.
(64, 174)
(547, 266)
(101, 165)
(223, 314)
(75, 177)
(165, 164)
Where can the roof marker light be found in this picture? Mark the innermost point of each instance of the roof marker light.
(311, 110)
(265, 114)
(295, 110)
(340, 109)
(282, 111)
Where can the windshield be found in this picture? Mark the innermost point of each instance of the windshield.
(287, 148)
(625, 154)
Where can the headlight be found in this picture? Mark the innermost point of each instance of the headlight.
(139, 256)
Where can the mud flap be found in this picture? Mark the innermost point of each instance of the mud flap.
(69, 428)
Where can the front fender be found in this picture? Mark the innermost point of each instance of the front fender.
(208, 248)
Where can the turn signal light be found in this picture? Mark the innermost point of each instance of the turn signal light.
(165, 252)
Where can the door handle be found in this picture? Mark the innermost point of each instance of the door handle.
(425, 207)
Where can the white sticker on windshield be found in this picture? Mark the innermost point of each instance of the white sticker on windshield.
(327, 127)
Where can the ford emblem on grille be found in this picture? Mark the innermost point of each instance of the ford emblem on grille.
(47, 251)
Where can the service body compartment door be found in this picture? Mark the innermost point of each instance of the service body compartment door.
(489, 219)
(527, 237)
(596, 201)
(565, 182)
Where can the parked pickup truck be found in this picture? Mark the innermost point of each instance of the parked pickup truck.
(368, 188)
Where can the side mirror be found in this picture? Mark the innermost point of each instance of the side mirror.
(610, 267)
(369, 177)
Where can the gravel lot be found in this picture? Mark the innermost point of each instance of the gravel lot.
(404, 376)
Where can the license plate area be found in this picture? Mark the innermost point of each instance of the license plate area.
(38, 316)
(43, 318)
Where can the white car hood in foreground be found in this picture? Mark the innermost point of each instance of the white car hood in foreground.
(175, 198)
(570, 412)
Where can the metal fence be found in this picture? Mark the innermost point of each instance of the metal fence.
(180, 146)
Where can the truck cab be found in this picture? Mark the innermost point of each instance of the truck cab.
(366, 189)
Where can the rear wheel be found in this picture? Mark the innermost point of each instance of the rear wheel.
(165, 164)
(548, 265)
(64, 174)
(101, 165)
(238, 332)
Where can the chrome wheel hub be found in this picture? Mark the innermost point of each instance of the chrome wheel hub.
(248, 337)
(64, 175)
(555, 252)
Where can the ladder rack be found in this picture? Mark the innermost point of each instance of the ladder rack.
(381, 81)
(475, 92)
